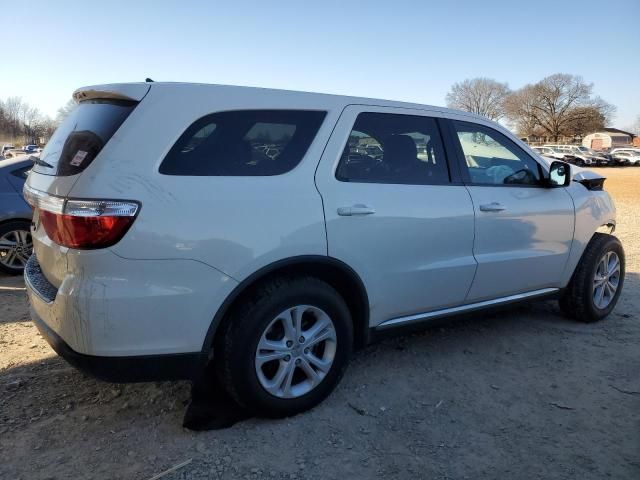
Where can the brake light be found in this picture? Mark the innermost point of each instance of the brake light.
(82, 224)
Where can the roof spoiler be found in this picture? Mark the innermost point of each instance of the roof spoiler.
(116, 91)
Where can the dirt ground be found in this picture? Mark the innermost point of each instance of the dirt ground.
(523, 393)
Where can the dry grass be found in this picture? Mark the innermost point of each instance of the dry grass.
(622, 183)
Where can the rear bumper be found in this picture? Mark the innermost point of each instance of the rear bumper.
(107, 306)
(175, 366)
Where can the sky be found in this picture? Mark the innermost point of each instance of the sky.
(395, 49)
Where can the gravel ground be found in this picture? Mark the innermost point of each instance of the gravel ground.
(523, 393)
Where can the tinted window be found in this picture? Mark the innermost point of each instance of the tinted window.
(243, 143)
(82, 135)
(23, 172)
(390, 148)
(492, 159)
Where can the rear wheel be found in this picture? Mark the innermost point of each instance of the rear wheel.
(284, 350)
(597, 282)
(15, 246)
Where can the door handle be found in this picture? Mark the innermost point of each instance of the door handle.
(355, 210)
(492, 207)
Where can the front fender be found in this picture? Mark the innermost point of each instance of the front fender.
(595, 211)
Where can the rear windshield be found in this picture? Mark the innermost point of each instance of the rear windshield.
(243, 143)
(81, 136)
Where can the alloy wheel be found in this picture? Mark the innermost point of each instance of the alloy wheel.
(296, 351)
(606, 280)
(15, 249)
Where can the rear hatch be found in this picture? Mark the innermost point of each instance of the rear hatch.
(76, 143)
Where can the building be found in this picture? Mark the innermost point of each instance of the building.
(609, 138)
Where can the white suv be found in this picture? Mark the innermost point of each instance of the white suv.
(551, 153)
(166, 239)
(580, 157)
(628, 155)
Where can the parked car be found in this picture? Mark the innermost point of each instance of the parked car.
(15, 216)
(270, 271)
(580, 158)
(15, 153)
(551, 153)
(630, 158)
(624, 149)
(30, 148)
(602, 158)
(7, 146)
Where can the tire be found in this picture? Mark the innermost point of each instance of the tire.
(13, 258)
(236, 353)
(580, 163)
(579, 300)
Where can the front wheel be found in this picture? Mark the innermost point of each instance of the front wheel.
(597, 282)
(284, 350)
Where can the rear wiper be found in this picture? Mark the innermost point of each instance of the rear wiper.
(40, 162)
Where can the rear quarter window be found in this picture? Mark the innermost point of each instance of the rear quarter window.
(243, 143)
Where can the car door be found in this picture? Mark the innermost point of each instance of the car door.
(393, 212)
(523, 230)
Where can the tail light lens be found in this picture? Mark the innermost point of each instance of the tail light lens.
(82, 224)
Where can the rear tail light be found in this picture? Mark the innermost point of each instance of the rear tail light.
(82, 224)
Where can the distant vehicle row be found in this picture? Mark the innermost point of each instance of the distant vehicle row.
(586, 157)
(10, 151)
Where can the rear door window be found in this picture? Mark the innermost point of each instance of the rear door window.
(82, 135)
(243, 143)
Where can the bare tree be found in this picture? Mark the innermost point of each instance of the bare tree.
(31, 120)
(560, 104)
(13, 108)
(633, 128)
(585, 120)
(520, 109)
(65, 110)
(483, 96)
(19, 121)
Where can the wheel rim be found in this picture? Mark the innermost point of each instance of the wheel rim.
(15, 249)
(606, 280)
(296, 351)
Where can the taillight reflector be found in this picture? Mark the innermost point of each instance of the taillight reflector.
(82, 224)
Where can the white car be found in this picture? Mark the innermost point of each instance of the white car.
(166, 240)
(6, 147)
(550, 152)
(581, 157)
(630, 156)
(625, 149)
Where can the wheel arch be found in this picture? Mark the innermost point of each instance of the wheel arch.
(15, 219)
(606, 228)
(331, 270)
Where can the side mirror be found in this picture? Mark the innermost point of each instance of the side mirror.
(559, 175)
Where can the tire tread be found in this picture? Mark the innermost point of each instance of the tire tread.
(575, 302)
(237, 323)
